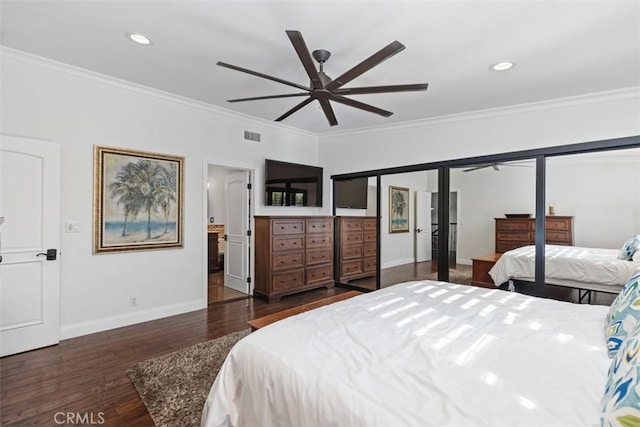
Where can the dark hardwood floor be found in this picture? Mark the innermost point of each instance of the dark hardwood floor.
(87, 375)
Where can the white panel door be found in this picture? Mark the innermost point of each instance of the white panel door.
(236, 245)
(423, 226)
(30, 205)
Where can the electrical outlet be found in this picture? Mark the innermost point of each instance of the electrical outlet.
(133, 302)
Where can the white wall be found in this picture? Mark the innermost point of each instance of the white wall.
(568, 121)
(50, 101)
(45, 100)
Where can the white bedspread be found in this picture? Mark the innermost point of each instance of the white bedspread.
(419, 354)
(569, 263)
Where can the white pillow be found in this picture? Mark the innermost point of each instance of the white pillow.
(636, 256)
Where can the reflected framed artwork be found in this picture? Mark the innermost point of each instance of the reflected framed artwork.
(138, 201)
(398, 209)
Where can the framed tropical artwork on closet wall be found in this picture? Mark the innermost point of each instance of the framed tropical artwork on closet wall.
(138, 200)
(398, 209)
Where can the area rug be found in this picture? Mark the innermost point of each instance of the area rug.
(462, 277)
(175, 386)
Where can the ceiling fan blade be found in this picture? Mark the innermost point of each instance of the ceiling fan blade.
(264, 76)
(381, 89)
(305, 57)
(375, 59)
(328, 111)
(475, 168)
(361, 105)
(257, 98)
(294, 109)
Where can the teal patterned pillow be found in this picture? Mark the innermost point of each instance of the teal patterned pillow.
(623, 315)
(629, 248)
(620, 404)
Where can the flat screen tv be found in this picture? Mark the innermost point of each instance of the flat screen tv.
(292, 184)
(352, 193)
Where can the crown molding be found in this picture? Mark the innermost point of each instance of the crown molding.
(39, 61)
(546, 105)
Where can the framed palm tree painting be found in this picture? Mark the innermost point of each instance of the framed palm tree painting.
(398, 210)
(138, 200)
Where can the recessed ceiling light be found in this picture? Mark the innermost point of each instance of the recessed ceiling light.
(502, 65)
(139, 38)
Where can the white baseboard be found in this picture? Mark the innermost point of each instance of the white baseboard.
(397, 262)
(118, 321)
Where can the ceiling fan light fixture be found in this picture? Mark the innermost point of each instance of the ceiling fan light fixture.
(138, 38)
(502, 66)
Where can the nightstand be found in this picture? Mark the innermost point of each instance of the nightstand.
(480, 270)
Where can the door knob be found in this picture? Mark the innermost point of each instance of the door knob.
(419, 230)
(51, 254)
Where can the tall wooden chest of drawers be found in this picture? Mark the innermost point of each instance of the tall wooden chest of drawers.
(355, 247)
(293, 254)
(512, 233)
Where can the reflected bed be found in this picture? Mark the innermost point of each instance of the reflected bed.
(419, 353)
(592, 269)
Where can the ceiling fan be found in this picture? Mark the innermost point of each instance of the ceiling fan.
(496, 165)
(324, 89)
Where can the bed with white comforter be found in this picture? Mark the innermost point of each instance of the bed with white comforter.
(573, 266)
(419, 354)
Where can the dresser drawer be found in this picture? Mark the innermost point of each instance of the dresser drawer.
(369, 264)
(514, 225)
(320, 225)
(287, 226)
(288, 260)
(319, 241)
(351, 251)
(370, 224)
(352, 224)
(554, 236)
(287, 243)
(319, 274)
(348, 238)
(514, 235)
(369, 236)
(558, 223)
(319, 257)
(504, 246)
(288, 280)
(351, 268)
(369, 249)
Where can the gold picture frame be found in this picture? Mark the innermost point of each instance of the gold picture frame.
(398, 209)
(138, 200)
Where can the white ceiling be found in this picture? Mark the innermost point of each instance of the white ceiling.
(562, 48)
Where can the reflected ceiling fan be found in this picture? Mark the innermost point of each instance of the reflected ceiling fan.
(496, 165)
(324, 89)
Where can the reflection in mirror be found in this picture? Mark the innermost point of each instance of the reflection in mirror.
(407, 248)
(595, 201)
(492, 212)
(355, 231)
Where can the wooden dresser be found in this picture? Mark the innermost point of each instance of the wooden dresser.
(355, 247)
(512, 233)
(293, 254)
